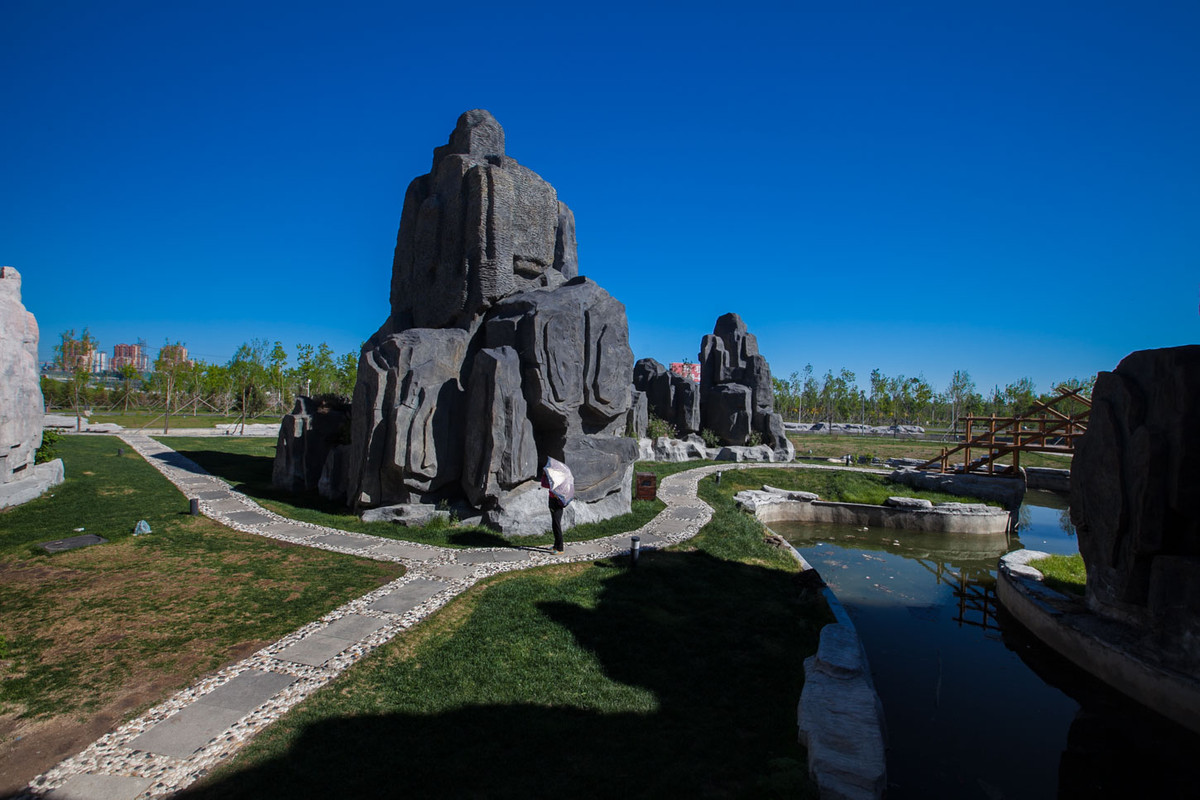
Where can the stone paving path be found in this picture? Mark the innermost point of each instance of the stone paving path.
(181, 739)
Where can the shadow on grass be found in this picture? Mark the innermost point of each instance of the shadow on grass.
(719, 645)
(251, 475)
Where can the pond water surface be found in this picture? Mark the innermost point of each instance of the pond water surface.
(975, 706)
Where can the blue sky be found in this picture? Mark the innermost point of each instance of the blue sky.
(1008, 188)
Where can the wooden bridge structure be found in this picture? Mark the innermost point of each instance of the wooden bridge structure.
(1045, 428)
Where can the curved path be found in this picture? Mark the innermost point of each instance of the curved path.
(180, 739)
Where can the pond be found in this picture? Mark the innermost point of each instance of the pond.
(975, 706)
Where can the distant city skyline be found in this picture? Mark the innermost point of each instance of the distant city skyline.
(1010, 190)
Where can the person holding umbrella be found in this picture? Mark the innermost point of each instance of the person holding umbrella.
(557, 477)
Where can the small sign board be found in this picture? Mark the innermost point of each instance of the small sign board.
(647, 486)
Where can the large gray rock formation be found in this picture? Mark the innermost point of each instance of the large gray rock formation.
(737, 397)
(21, 404)
(1135, 480)
(496, 354)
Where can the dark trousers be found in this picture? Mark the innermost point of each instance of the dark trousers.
(556, 509)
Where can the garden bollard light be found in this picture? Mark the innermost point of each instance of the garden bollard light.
(194, 506)
(120, 452)
(635, 550)
(719, 478)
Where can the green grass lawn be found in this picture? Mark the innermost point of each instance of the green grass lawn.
(103, 631)
(246, 464)
(1064, 573)
(884, 447)
(675, 679)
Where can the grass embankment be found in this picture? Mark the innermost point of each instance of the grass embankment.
(675, 679)
(823, 445)
(246, 463)
(839, 486)
(1064, 573)
(91, 636)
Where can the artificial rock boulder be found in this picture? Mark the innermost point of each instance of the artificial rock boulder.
(736, 394)
(307, 436)
(669, 396)
(1135, 480)
(21, 404)
(496, 354)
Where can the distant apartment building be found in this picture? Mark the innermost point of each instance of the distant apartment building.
(686, 370)
(76, 354)
(174, 354)
(99, 361)
(133, 354)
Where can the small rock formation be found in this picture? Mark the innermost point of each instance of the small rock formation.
(735, 399)
(307, 436)
(21, 404)
(1135, 480)
(736, 394)
(669, 396)
(497, 354)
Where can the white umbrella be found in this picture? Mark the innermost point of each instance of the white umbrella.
(560, 480)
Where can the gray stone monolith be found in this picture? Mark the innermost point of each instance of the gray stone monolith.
(1135, 480)
(21, 404)
(496, 355)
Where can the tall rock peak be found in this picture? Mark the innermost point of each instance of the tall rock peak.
(497, 355)
(478, 227)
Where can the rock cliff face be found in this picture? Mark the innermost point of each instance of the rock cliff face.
(496, 354)
(1135, 480)
(21, 404)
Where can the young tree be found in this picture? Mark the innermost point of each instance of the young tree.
(810, 394)
(1020, 396)
(347, 373)
(960, 391)
(128, 373)
(278, 360)
(248, 370)
(167, 368)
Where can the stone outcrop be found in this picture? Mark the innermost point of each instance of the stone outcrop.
(737, 397)
(21, 404)
(840, 718)
(496, 355)
(307, 436)
(991, 488)
(1134, 479)
(669, 397)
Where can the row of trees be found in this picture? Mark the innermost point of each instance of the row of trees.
(903, 400)
(258, 378)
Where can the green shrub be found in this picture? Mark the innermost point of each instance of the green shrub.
(754, 439)
(660, 427)
(710, 437)
(48, 450)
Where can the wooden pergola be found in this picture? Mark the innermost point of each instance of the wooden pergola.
(1043, 429)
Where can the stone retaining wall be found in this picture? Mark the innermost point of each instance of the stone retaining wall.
(772, 507)
(1110, 650)
(1054, 480)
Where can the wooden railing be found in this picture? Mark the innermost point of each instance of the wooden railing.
(1044, 429)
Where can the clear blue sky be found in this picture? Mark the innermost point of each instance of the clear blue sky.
(1010, 188)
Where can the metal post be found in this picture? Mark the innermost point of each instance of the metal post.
(717, 478)
(635, 550)
(120, 452)
(194, 506)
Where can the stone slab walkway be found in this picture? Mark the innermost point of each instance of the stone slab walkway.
(182, 738)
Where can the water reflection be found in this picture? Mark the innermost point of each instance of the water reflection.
(969, 715)
(957, 701)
